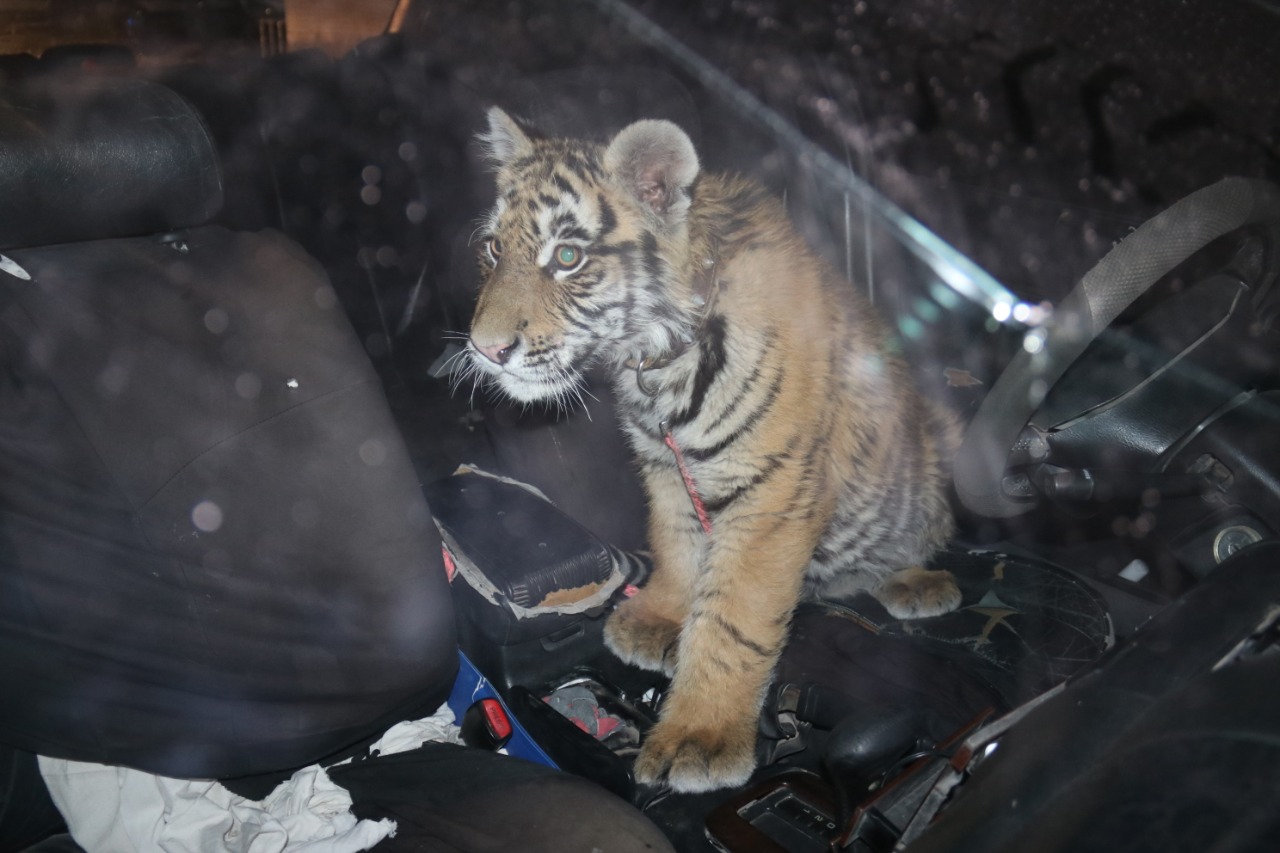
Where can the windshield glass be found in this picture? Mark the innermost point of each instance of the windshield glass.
(894, 361)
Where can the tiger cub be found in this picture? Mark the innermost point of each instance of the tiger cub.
(783, 449)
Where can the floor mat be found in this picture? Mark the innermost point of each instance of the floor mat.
(1022, 626)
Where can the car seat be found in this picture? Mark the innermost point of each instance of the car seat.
(214, 556)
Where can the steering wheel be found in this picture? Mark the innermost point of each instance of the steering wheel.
(998, 441)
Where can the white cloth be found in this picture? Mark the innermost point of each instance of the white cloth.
(120, 809)
(110, 809)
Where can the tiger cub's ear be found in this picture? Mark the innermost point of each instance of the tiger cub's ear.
(654, 161)
(505, 140)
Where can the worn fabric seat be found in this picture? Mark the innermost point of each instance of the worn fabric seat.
(215, 558)
(212, 559)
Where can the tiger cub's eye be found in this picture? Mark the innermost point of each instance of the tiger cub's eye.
(568, 256)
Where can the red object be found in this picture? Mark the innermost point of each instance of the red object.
(689, 485)
(450, 569)
(495, 717)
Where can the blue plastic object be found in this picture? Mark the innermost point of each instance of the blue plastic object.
(469, 688)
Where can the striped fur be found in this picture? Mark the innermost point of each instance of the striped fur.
(821, 469)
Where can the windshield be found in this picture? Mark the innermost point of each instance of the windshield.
(337, 338)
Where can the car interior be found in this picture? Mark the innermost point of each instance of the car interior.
(251, 516)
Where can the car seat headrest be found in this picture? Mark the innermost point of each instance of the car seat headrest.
(93, 159)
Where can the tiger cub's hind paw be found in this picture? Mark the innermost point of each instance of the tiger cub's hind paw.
(917, 593)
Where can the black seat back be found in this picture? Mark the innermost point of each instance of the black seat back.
(215, 558)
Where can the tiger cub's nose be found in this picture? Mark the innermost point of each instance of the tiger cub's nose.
(497, 353)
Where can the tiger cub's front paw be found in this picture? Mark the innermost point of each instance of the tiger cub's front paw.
(690, 759)
(642, 638)
(917, 593)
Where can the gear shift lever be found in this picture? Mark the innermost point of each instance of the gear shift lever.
(865, 744)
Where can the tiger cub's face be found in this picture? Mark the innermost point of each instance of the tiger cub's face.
(581, 255)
